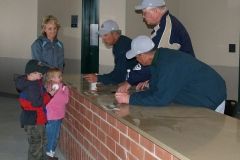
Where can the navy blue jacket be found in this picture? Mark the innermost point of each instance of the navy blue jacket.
(119, 72)
(170, 33)
(49, 53)
(180, 78)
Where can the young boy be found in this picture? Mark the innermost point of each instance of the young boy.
(33, 98)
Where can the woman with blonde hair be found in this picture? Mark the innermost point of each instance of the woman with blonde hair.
(47, 48)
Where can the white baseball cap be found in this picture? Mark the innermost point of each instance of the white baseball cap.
(140, 44)
(107, 27)
(150, 3)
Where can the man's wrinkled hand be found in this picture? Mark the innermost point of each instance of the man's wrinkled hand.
(122, 97)
(124, 87)
(91, 78)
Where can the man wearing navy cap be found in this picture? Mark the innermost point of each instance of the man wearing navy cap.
(168, 32)
(177, 77)
(111, 36)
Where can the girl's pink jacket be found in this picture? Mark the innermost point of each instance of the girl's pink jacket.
(57, 105)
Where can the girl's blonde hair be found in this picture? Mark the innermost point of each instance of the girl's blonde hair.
(46, 20)
(52, 72)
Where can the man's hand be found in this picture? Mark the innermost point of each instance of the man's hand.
(91, 78)
(142, 85)
(122, 97)
(124, 87)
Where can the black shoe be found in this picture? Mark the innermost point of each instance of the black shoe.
(52, 158)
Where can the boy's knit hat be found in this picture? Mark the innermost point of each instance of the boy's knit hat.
(35, 66)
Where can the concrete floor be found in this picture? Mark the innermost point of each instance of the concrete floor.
(13, 140)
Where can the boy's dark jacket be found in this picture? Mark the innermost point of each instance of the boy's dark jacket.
(32, 98)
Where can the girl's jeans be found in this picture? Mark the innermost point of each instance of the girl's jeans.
(53, 130)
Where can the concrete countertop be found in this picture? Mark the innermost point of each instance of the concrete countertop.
(187, 132)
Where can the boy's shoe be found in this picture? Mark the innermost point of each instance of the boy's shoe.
(51, 158)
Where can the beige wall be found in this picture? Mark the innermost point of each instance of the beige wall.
(18, 27)
(115, 10)
(212, 26)
(63, 9)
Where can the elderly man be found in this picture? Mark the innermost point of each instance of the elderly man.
(111, 36)
(168, 32)
(177, 77)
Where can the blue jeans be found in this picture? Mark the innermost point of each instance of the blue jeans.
(53, 131)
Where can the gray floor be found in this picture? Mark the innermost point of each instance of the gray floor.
(13, 141)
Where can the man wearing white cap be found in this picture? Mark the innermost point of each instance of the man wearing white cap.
(168, 32)
(177, 77)
(111, 36)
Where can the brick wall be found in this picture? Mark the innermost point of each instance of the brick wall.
(88, 133)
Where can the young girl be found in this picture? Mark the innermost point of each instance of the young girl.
(47, 48)
(55, 108)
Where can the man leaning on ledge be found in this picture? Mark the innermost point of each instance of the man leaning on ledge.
(176, 78)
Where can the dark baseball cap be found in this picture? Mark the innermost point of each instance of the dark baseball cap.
(35, 66)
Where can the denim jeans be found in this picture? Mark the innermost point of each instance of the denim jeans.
(36, 141)
(53, 130)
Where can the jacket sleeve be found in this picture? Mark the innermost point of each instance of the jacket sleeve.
(139, 75)
(168, 84)
(46, 98)
(118, 74)
(27, 105)
(37, 50)
(114, 77)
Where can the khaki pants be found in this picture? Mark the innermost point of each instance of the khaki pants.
(37, 141)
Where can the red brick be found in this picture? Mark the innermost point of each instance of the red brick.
(133, 135)
(161, 153)
(93, 129)
(114, 133)
(104, 150)
(100, 157)
(122, 127)
(71, 101)
(88, 136)
(80, 138)
(102, 114)
(149, 156)
(125, 142)
(121, 152)
(101, 136)
(77, 105)
(96, 120)
(131, 157)
(110, 143)
(96, 143)
(86, 144)
(104, 126)
(93, 107)
(86, 123)
(89, 115)
(87, 103)
(136, 150)
(80, 98)
(111, 119)
(112, 156)
(147, 144)
(93, 152)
